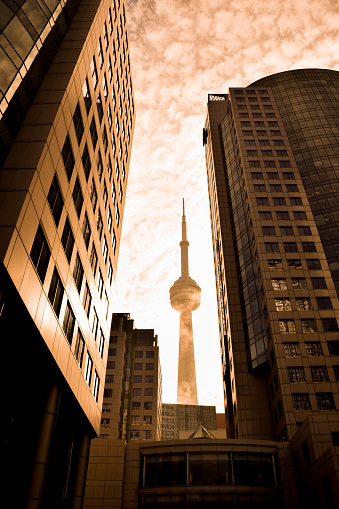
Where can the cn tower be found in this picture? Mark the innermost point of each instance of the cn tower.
(185, 298)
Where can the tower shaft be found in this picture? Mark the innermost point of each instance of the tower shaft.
(187, 383)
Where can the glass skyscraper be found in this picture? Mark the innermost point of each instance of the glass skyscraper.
(272, 160)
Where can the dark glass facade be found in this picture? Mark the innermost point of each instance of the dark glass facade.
(308, 102)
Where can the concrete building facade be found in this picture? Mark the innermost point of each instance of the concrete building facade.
(272, 166)
(133, 384)
(66, 129)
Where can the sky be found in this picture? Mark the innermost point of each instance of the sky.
(181, 50)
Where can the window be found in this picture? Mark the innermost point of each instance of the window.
(137, 379)
(69, 322)
(276, 188)
(108, 393)
(149, 354)
(268, 230)
(138, 354)
(269, 164)
(109, 219)
(333, 347)
(308, 326)
(292, 350)
(303, 304)
(78, 273)
(95, 324)
(112, 352)
(105, 250)
(148, 405)
(87, 300)
(296, 375)
(109, 379)
(299, 283)
(100, 224)
(147, 419)
(88, 372)
(109, 167)
(272, 247)
(319, 374)
(94, 133)
(104, 86)
(135, 419)
(100, 284)
(308, 247)
(138, 366)
(313, 264)
(149, 379)
(299, 215)
(324, 303)
(105, 195)
(56, 292)
(77, 197)
(282, 215)
(283, 304)
(148, 392)
(136, 392)
(120, 192)
(329, 324)
(264, 143)
(265, 215)
(96, 385)
(295, 201)
(292, 188)
(254, 164)
(93, 260)
(114, 241)
(275, 265)
(301, 402)
(100, 110)
(290, 247)
(279, 201)
(86, 162)
(336, 372)
(113, 340)
(100, 167)
(55, 200)
(110, 271)
(149, 366)
(40, 253)
(86, 230)
(79, 348)
(136, 405)
(286, 230)
(294, 264)
(325, 401)
(94, 73)
(262, 201)
(318, 283)
(147, 434)
(287, 326)
(67, 155)
(93, 195)
(279, 284)
(78, 126)
(105, 139)
(87, 96)
(249, 143)
(314, 349)
(267, 153)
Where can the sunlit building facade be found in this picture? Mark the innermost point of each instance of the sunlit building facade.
(272, 160)
(66, 130)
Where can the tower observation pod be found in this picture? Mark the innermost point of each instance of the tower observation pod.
(185, 297)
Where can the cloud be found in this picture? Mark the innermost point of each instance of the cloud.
(180, 51)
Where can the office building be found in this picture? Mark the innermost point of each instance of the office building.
(133, 385)
(66, 129)
(272, 167)
(185, 297)
(179, 418)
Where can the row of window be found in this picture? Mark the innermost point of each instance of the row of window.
(288, 231)
(313, 349)
(138, 366)
(279, 201)
(40, 256)
(294, 264)
(139, 354)
(270, 175)
(282, 215)
(325, 401)
(303, 304)
(147, 419)
(148, 379)
(318, 283)
(298, 375)
(146, 434)
(308, 325)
